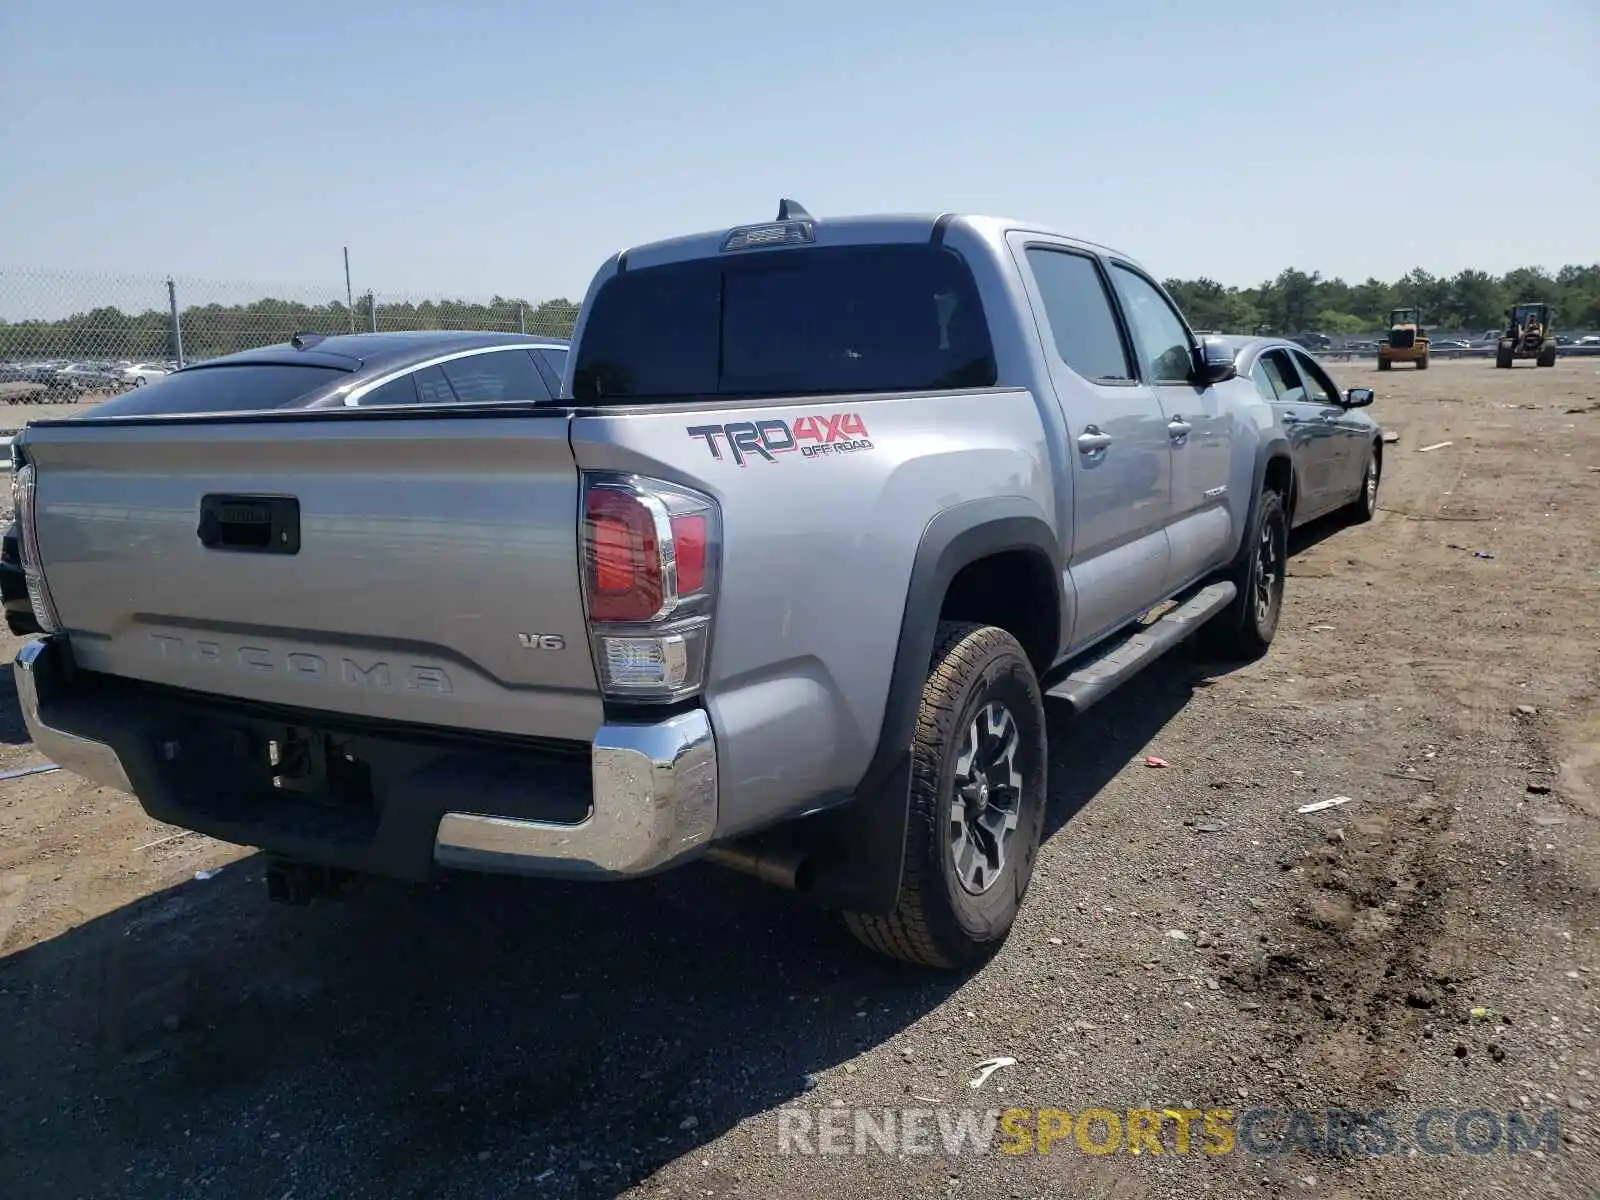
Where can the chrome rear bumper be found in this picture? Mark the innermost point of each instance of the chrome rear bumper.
(653, 785)
(655, 798)
(40, 673)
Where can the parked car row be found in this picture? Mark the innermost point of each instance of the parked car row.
(61, 381)
(1455, 341)
(360, 370)
(776, 565)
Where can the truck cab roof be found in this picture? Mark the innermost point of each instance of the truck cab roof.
(842, 231)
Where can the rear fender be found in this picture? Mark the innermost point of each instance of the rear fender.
(857, 849)
(1270, 450)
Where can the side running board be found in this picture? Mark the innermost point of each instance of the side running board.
(1119, 662)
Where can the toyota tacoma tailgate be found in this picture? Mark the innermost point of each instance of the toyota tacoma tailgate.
(423, 569)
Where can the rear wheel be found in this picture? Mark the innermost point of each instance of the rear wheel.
(977, 804)
(1422, 363)
(1384, 364)
(1365, 506)
(1246, 627)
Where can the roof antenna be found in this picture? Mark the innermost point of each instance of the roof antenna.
(790, 210)
(305, 340)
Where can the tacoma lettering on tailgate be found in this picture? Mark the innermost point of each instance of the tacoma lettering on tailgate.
(813, 437)
(300, 664)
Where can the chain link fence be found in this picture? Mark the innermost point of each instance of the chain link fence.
(67, 335)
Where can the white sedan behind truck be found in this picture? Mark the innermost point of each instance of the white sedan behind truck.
(142, 373)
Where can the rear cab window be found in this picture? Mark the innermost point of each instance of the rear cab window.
(823, 320)
(240, 387)
(1079, 314)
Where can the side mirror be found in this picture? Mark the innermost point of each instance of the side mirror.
(1358, 397)
(1214, 362)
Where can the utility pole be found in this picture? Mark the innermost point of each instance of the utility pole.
(177, 324)
(349, 297)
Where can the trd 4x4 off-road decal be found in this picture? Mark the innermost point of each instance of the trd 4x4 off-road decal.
(813, 437)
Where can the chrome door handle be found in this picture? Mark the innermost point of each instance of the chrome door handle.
(1178, 430)
(1092, 441)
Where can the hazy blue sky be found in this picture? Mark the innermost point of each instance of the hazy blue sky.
(481, 147)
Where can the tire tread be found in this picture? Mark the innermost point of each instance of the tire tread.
(1232, 633)
(959, 650)
(1358, 511)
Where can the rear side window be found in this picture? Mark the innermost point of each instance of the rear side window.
(233, 388)
(1284, 378)
(1078, 311)
(552, 364)
(503, 377)
(1319, 388)
(1264, 382)
(822, 320)
(397, 391)
(427, 386)
(433, 387)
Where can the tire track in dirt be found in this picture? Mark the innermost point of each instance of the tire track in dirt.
(1381, 947)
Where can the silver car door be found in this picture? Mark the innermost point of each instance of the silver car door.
(1200, 529)
(1349, 458)
(1118, 561)
(1311, 440)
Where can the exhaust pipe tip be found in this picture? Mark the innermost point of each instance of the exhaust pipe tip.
(787, 869)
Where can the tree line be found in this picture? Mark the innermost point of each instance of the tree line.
(1296, 301)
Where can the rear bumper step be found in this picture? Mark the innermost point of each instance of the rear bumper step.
(380, 800)
(1110, 668)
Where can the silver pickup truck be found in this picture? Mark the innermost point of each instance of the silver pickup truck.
(824, 511)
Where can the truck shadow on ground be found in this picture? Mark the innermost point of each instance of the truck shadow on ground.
(13, 730)
(468, 1036)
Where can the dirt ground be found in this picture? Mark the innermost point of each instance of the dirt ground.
(1190, 940)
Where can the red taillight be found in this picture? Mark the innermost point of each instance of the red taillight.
(624, 557)
(651, 553)
(689, 536)
(22, 501)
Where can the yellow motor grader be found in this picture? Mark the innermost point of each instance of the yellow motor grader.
(1530, 333)
(1407, 340)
